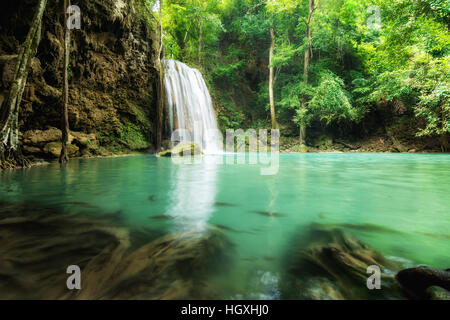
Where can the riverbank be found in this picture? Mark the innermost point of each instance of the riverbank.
(373, 144)
(36, 162)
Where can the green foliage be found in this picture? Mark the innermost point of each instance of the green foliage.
(132, 136)
(354, 68)
(409, 62)
(145, 12)
(331, 102)
(182, 22)
(431, 79)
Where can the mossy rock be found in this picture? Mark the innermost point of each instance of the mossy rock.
(302, 148)
(183, 149)
(54, 149)
(424, 283)
(438, 293)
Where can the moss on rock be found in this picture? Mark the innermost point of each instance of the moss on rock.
(183, 149)
(53, 149)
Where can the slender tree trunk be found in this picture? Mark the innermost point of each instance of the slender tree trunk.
(444, 140)
(160, 88)
(307, 62)
(64, 157)
(10, 152)
(200, 38)
(271, 80)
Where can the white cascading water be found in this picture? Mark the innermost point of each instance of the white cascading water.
(190, 107)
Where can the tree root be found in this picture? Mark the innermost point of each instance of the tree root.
(13, 159)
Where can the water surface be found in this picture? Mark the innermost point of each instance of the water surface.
(397, 203)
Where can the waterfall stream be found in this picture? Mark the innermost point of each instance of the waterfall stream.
(190, 108)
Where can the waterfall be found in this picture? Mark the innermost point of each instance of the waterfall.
(190, 107)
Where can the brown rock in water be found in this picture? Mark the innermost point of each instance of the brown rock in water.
(424, 283)
(32, 150)
(54, 149)
(329, 263)
(38, 243)
(41, 137)
(438, 293)
(322, 289)
(183, 149)
(49, 142)
(172, 267)
(82, 138)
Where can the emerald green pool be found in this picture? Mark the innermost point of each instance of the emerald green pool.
(397, 203)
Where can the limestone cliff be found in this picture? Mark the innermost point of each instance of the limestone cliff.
(112, 76)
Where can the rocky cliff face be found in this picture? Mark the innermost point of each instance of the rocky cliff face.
(112, 76)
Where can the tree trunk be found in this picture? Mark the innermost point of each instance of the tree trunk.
(160, 87)
(307, 62)
(10, 152)
(444, 142)
(64, 157)
(200, 38)
(271, 80)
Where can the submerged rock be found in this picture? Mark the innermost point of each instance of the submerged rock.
(438, 293)
(175, 266)
(183, 149)
(268, 213)
(329, 263)
(424, 283)
(38, 243)
(322, 289)
(225, 204)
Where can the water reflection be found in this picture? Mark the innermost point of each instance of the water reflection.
(193, 192)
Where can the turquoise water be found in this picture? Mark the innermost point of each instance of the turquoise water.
(406, 196)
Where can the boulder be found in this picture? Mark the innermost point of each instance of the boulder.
(183, 149)
(54, 149)
(49, 142)
(424, 283)
(32, 150)
(301, 148)
(83, 139)
(438, 293)
(41, 137)
(174, 266)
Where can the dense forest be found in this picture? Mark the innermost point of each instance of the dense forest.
(345, 68)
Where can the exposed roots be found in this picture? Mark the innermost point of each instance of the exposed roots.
(12, 159)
